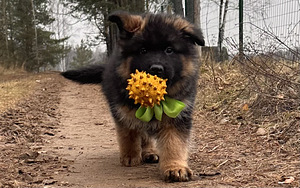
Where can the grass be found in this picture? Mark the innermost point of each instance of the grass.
(14, 86)
(222, 87)
(232, 93)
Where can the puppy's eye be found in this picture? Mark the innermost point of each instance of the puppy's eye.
(143, 51)
(169, 50)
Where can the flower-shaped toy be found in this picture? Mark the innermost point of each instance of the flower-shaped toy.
(150, 91)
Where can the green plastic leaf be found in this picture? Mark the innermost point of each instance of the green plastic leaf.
(144, 114)
(172, 107)
(158, 111)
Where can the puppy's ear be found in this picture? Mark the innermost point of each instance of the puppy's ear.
(128, 24)
(194, 35)
(189, 31)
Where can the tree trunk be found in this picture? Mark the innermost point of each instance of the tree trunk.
(222, 22)
(111, 34)
(5, 29)
(178, 8)
(147, 5)
(35, 35)
(197, 8)
(189, 10)
(220, 25)
(140, 6)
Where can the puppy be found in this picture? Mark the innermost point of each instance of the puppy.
(162, 45)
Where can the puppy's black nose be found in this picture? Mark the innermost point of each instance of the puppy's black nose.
(156, 69)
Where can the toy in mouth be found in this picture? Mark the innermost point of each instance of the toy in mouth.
(150, 92)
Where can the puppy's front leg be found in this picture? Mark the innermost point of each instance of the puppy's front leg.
(130, 146)
(173, 152)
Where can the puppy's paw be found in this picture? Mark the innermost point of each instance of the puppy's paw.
(177, 174)
(150, 158)
(131, 160)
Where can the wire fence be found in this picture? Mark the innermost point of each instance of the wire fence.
(269, 26)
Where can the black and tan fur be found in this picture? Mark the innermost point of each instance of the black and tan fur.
(146, 40)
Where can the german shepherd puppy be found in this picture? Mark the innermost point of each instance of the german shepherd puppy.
(162, 45)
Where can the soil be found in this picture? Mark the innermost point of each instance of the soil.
(63, 135)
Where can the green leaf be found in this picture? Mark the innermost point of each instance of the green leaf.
(144, 114)
(172, 107)
(158, 111)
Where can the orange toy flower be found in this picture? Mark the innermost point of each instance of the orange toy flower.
(146, 89)
(149, 91)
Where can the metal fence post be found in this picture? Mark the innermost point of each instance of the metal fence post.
(241, 37)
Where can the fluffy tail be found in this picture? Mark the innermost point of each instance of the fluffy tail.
(88, 75)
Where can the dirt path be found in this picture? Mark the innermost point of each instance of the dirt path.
(221, 155)
(88, 138)
(63, 136)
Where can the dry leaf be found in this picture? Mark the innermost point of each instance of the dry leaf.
(286, 180)
(261, 131)
(280, 96)
(245, 107)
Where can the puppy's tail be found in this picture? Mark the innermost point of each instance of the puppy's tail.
(87, 75)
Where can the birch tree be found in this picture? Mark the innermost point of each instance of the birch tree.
(222, 21)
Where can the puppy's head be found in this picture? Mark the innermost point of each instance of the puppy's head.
(162, 45)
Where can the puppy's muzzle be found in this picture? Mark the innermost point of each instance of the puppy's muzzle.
(156, 69)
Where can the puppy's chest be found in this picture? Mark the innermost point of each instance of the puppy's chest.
(127, 118)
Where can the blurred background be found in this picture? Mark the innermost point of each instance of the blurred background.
(38, 35)
(251, 57)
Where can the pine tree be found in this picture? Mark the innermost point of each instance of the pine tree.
(25, 35)
(83, 56)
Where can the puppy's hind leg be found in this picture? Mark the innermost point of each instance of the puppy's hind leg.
(149, 152)
(130, 142)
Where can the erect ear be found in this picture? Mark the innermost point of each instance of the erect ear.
(194, 35)
(127, 23)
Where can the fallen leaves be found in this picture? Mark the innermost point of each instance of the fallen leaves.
(286, 180)
(261, 131)
(33, 119)
(245, 107)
